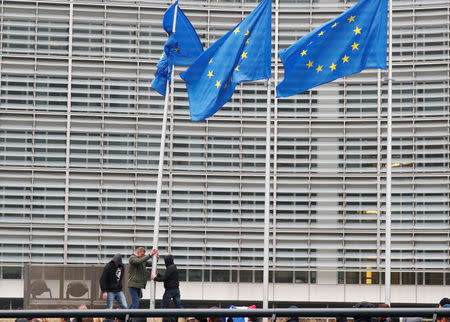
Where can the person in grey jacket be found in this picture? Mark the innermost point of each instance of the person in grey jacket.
(137, 274)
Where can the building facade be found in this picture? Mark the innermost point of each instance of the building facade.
(80, 133)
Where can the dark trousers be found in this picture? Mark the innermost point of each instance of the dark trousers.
(173, 294)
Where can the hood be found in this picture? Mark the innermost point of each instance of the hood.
(364, 304)
(293, 318)
(168, 260)
(117, 258)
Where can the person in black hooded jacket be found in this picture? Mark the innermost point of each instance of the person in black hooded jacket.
(171, 283)
(111, 282)
(365, 305)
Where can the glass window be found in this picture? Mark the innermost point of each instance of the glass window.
(351, 278)
(182, 274)
(370, 278)
(195, 275)
(220, 275)
(420, 278)
(12, 272)
(395, 278)
(283, 277)
(206, 275)
(301, 277)
(434, 279)
(234, 275)
(246, 276)
(408, 278)
(447, 278)
(259, 277)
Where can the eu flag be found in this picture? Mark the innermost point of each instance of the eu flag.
(351, 42)
(243, 54)
(182, 48)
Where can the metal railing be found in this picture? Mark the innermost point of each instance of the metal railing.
(433, 313)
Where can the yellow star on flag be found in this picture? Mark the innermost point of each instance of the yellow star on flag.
(247, 33)
(319, 69)
(355, 46)
(357, 30)
(334, 25)
(309, 64)
(246, 41)
(217, 84)
(304, 52)
(226, 84)
(236, 30)
(244, 55)
(352, 18)
(210, 74)
(310, 43)
(333, 66)
(237, 68)
(177, 49)
(345, 59)
(321, 33)
(210, 61)
(162, 56)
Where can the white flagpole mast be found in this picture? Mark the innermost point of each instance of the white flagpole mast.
(267, 206)
(160, 174)
(267, 190)
(389, 169)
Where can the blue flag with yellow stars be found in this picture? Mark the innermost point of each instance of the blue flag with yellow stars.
(243, 54)
(182, 48)
(346, 45)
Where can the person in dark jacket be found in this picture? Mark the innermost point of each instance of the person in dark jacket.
(111, 282)
(365, 305)
(137, 274)
(171, 283)
(444, 301)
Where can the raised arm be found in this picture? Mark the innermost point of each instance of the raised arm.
(136, 260)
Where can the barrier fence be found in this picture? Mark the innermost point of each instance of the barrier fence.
(433, 313)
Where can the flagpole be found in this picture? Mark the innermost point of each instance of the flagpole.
(160, 174)
(267, 205)
(389, 168)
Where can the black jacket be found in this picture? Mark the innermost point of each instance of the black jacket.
(111, 279)
(170, 277)
(365, 305)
